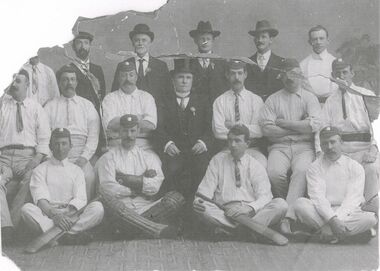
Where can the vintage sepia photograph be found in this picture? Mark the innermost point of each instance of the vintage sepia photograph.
(190, 135)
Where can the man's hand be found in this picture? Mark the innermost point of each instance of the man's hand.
(229, 124)
(63, 221)
(81, 161)
(172, 150)
(281, 123)
(338, 228)
(150, 173)
(199, 206)
(236, 210)
(198, 148)
(371, 155)
(56, 211)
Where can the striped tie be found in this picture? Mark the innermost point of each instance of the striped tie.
(344, 110)
(237, 112)
(34, 79)
(19, 122)
(237, 173)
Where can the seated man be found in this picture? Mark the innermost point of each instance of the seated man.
(79, 116)
(128, 99)
(289, 119)
(59, 191)
(238, 106)
(335, 185)
(238, 181)
(24, 139)
(130, 178)
(346, 110)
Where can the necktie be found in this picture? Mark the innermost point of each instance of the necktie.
(141, 68)
(205, 63)
(260, 62)
(34, 79)
(182, 103)
(237, 112)
(237, 173)
(19, 122)
(344, 110)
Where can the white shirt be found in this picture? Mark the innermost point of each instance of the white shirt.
(139, 102)
(145, 63)
(59, 182)
(265, 59)
(335, 187)
(36, 132)
(185, 101)
(47, 83)
(224, 110)
(219, 181)
(79, 116)
(314, 65)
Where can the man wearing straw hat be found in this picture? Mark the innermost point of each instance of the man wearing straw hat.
(261, 79)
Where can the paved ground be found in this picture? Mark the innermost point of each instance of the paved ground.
(198, 255)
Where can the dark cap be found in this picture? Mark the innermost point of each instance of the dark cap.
(127, 66)
(328, 132)
(289, 64)
(84, 35)
(24, 72)
(141, 29)
(339, 64)
(129, 121)
(60, 133)
(181, 66)
(236, 64)
(67, 68)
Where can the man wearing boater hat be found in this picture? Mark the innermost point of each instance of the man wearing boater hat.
(289, 119)
(261, 79)
(346, 110)
(335, 185)
(208, 74)
(153, 74)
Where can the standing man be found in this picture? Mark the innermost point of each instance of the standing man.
(347, 111)
(132, 177)
(209, 74)
(335, 185)
(153, 74)
(319, 63)
(241, 184)
(129, 99)
(262, 79)
(58, 190)
(79, 116)
(184, 135)
(24, 139)
(43, 84)
(238, 106)
(289, 119)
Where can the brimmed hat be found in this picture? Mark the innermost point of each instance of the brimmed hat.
(204, 27)
(264, 26)
(141, 29)
(339, 64)
(129, 121)
(84, 35)
(329, 131)
(63, 69)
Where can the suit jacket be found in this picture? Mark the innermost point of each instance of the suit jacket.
(156, 81)
(264, 83)
(210, 82)
(84, 87)
(185, 132)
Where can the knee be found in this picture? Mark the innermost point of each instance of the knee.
(300, 204)
(370, 219)
(98, 208)
(26, 209)
(280, 204)
(275, 174)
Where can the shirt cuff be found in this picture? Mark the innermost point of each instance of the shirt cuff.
(149, 188)
(151, 120)
(167, 145)
(41, 196)
(77, 203)
(204, 144)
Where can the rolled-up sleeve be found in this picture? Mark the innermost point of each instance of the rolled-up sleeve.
(267, 114)
(43, 131)
(152, 185)
(79, 199)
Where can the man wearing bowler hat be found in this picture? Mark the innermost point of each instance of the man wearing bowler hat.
(262, 80)
(208, 74)
(153, 74)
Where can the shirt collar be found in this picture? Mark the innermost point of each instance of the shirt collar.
(298, 93)
(146, 58)
(266, 55)
(56, 162)
(339, 161)
(134, 93)
(133, 151)
(75, 98)
(241, 93)
(321, 56)
(84, 62)
(25, 102)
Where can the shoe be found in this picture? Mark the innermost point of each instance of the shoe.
(7, 236)
(285, 227)
(221, 234)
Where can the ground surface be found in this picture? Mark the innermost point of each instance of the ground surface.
(198, 255)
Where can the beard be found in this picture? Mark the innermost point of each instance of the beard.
(82, 53)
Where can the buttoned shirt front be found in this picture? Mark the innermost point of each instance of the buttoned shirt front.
(265, 58)
(36, 130)
(224, 110)
(145, 63)
(219, 181)
(319, 64)
(60, 183)
(79, 116)
(335, 187)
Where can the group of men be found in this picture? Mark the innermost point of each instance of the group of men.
(277, 141)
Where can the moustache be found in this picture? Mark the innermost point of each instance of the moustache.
(236, 82)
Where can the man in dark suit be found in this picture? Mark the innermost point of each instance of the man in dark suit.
(262, 79)
(153, 74)
(184, 135)
(209, 74)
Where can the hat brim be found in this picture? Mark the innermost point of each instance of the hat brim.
(194, 33)
(272, 32)
(84, 37)
(149, 33)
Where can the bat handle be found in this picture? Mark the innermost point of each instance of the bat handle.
(209, 200)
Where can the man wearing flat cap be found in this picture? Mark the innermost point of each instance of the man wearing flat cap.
(58, 190)
(238, 106)
(209, 79)
(346, 110)
(152, 73)
(24, 140)
(90, 77)
(261, 79)
(184, 137)
(79, 116)
(132, 177)
(129, 99)
(289, 120)
(335, 185)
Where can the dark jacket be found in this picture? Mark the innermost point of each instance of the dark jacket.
(264, 83)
